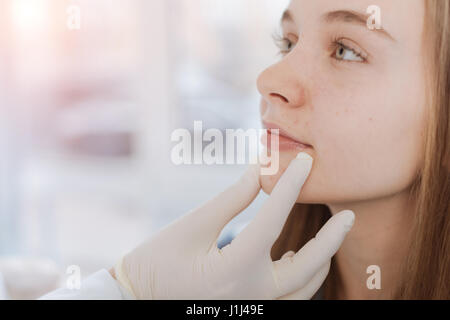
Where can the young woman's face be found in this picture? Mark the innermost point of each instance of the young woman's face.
(356, 95)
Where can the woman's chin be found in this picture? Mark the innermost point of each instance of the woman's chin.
(268, 182)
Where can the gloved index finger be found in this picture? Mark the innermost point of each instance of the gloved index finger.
(265, 228)
(295, 273)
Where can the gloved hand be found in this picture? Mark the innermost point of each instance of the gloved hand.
(182, 261)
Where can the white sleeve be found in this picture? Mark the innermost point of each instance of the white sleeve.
(98, 286)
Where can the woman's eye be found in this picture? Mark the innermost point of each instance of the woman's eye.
(284, 44)
(344, 53)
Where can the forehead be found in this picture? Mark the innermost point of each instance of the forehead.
(403, 19)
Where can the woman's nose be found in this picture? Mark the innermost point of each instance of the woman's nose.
(280, 86)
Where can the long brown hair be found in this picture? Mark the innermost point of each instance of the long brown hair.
(426, 268)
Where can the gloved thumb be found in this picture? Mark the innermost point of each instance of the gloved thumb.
(213, 216)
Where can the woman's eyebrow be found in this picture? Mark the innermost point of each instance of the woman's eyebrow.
(347, 16)
(287, 16)
(354, 17)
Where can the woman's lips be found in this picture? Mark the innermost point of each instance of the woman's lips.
(285, 143)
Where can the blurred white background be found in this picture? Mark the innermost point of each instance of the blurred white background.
(86, 117)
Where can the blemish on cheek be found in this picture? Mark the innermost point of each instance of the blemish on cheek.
(370, 119)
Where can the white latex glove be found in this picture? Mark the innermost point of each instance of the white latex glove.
(182, 261)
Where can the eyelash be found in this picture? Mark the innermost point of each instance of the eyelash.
(335, 44)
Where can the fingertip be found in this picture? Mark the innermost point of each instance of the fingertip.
(304, 156)
(348, 217)
(304, 161)
(288, 254)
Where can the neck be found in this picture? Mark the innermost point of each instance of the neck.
(379, 237)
